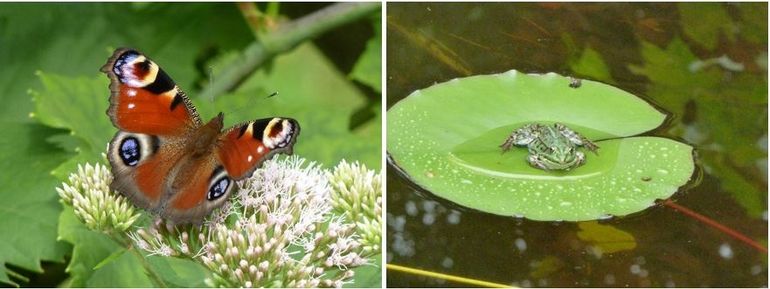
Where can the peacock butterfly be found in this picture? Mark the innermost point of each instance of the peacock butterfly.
(164, 159)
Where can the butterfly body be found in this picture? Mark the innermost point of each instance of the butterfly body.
(164, 158)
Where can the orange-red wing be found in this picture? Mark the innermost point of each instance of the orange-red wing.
(192, 191)
(245, 146)
(143, 182)
(200, 186)
(144, 99)
(150, 176)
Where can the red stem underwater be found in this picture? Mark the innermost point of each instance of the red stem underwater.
(718, 226)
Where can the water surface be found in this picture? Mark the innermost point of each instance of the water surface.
(706, 64)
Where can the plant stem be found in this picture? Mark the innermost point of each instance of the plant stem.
(252, 15)
(718, 226)
(272, 9)
(284, 38)
(453, 278)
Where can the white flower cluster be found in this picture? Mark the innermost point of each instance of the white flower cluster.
(358, 196)
(286, 235)
(88, 192)
(290, 224)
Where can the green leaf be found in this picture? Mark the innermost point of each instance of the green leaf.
(368, 276)
(97, 261)
(447, 137)
(91, 248)
(704, 22)
(112, 257)
(38, 36)
(179, 272)
(28, 223)
(606, 238)
(368, 68)
(126, 271)
(78, 105)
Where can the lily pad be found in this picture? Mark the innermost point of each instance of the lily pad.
(445, 138)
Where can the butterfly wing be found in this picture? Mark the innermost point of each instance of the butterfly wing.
(245, 146)
(154, 117)
(145, 99)
(200, 186)
(204, 185)
(163, 158)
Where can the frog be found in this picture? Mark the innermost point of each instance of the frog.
(551, 147)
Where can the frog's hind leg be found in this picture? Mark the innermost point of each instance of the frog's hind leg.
(521, 136)
(576, 138)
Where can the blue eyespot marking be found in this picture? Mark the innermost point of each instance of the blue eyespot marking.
(124, 59)
(130, 151)
(218, 189)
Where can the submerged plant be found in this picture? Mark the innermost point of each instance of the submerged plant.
(290, 224)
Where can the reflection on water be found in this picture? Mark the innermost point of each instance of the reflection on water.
(704, 63)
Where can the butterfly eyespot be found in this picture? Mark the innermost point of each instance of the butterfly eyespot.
(130, 151)
(219, 188)
(135, 70)
(124, 59)
(220, 184)
(278, 133)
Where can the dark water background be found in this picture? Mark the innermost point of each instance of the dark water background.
(706, 64)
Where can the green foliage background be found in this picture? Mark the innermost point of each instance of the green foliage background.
(53, 116)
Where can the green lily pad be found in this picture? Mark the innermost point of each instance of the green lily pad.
(446, 139)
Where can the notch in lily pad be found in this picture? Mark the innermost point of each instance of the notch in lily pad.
(446, 139)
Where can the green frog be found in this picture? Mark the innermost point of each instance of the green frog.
(551, 147)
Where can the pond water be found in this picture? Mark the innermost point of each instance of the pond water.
(706, 64)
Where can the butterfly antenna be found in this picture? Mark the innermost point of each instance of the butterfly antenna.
(271, 95)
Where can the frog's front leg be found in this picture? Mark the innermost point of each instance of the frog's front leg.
(576, 138)
(521, 136)
(580, 158)
(537, 162)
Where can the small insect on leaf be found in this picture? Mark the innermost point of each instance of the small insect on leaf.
(574, 82)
